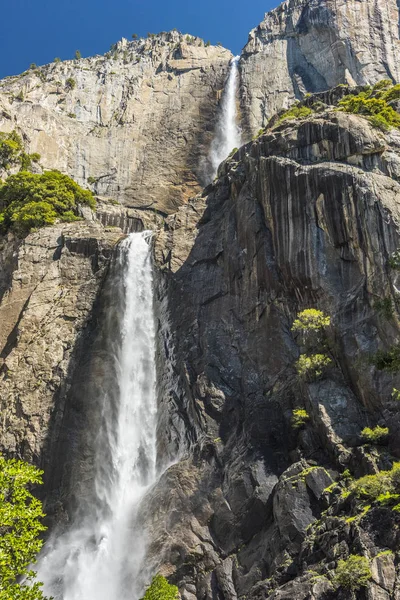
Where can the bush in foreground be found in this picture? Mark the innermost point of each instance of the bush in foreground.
(21, 525)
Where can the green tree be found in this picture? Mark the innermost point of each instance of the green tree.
(78, 54)
(377, 435)
(160, 589)
(11, 147)
(311, 319)
(57, 59)
(135, 36)
(30, 200)
(353, 573)
(33, 66)
(12, 152)
(299, 418)
(70, 83)
(21, 525)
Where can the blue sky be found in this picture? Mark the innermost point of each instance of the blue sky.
(36, 31)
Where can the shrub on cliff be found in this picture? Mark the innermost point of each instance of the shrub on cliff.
(312, 366)
(299, 418)
(387, 360)
(295, 112)
(377, 435)
(160, 589)
(21, 517)
(373, 103)
(353, 573)
(12, 152)
(28, 200)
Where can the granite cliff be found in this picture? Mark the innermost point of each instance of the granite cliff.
(307, 214)
(102, 120)
(310, 46)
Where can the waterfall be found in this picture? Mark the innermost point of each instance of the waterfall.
(101, 556)
(227, 134)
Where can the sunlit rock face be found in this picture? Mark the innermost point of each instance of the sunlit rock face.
(310, 46)
(134, 124)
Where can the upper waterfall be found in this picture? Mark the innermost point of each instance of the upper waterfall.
(227, 134)
(100, 557)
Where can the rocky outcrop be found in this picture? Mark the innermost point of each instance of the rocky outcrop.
(306, 215)
(52, 278)
(134, 125)
(307, 46)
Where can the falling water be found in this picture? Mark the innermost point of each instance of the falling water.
(227, 134)
(100, 557)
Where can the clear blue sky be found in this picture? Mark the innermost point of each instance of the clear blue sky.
(36, 31)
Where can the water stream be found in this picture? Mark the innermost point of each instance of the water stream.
(227, 133)
(101, 556)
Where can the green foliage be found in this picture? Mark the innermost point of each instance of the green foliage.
(21, 525)
(28, 200)
(11, 147)
(377, 487)
(377, 435)
(12, 152)
(346, 475)
(373, 103)
(72, 115)
(384, 306)
(382, 84)
(311, 319)
(70, 83)
(295, 112)
(207, 44)
(396, 395)
(311, 367)
(20, 96)
(353, 573)
(299, 418)
(57, 59)
(135, 36)
(33, 66)
(394, 260)
(387, 360)
(78, 54)
(160, 589)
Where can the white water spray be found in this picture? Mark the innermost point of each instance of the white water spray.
(101, 556)
(227, 134)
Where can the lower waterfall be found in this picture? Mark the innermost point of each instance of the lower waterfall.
(100, 557)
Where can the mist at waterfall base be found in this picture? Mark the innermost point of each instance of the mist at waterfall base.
(101, 556)
(227, 133)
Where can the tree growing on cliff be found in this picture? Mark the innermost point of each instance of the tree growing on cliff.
(21, 517)
(311, 324)
(29, 200)
(12, 152)
(160, 589)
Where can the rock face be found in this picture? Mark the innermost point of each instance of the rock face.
(50, 283)
(306, 215)
(104, 120)
(307, 46)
